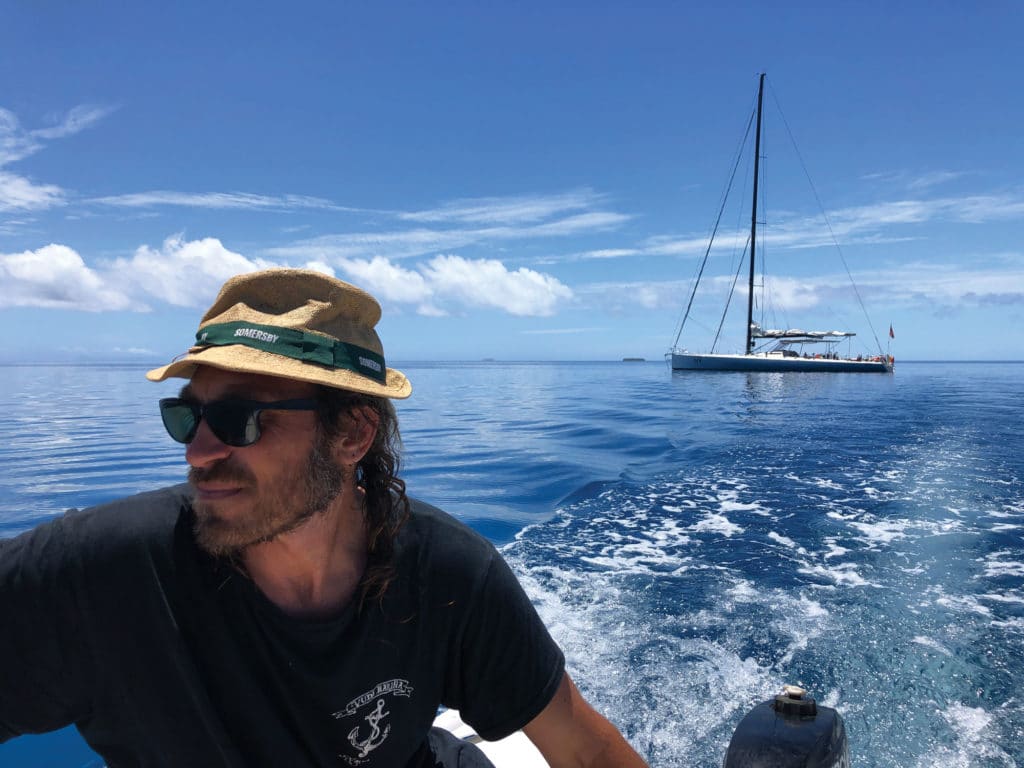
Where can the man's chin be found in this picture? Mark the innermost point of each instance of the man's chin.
(220, 533)
(217, 538)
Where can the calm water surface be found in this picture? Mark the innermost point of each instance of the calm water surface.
(692, 540)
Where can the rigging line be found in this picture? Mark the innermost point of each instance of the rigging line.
(732, 289)
(828, 223)
(714, 230)
(770, 312)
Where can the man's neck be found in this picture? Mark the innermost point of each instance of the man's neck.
(314, 570)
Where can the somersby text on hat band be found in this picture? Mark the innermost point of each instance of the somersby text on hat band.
(295, 344)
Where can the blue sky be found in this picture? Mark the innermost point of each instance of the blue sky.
(518, 181)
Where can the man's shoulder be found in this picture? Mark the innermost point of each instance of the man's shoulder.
(139, 512)
(438, 529)
(128, 521)
(442, 546)
(120, 542)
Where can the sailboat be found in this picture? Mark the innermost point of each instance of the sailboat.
(780, 350)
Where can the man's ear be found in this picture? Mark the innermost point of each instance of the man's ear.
(359, 429)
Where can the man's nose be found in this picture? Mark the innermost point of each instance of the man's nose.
(205, 448)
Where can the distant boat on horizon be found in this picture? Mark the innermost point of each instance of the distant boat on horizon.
(787, 352)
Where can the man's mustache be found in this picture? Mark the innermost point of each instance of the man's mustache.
(222, 472)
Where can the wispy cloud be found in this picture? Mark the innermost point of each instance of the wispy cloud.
(915, 181)
(934, 179)
(217, 201)
(560, 331)
(595, 255)
(510, 219)
(19, 193)
(392, 245)
(942, 286)
(630, 297)
(924, 285)
(595, 221)
(886, 222)
(76, 120)
(608, 253)
(507, 210)
(17, 142)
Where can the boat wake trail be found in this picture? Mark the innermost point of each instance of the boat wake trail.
(896, 596)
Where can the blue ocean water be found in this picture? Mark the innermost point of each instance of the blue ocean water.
(693, 540)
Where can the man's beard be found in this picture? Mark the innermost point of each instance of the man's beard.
(278, 509)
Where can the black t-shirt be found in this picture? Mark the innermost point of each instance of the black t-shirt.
(114, 620)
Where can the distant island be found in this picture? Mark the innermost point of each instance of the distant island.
(633, 360)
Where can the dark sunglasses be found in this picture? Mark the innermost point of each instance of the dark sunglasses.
(234, 422)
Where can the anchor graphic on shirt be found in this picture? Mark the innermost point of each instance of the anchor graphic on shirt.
(376, 737)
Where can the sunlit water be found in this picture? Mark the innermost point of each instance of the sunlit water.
(692, 540)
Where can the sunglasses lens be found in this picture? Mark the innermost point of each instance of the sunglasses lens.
(180, 419)
(233, 423)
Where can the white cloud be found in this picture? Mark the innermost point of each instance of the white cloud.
(626, 297)
(387, 281)
(189, 273)
(186, 273)
(319, 266)
(943, 286)
(488, 283)
(787, 293)
(181, 272)
(456, 280)
(56, 277)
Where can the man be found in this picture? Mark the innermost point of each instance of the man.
(290, 606)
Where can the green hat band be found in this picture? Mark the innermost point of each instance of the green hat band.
(297, 345)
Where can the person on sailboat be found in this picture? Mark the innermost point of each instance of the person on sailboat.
(290, 605)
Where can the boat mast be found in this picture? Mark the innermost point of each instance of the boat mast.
(753, 220)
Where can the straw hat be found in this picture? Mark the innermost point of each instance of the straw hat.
(296, 324)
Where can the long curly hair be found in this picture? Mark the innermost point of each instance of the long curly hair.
(387, 506)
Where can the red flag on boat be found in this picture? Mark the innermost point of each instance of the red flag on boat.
(891, 334)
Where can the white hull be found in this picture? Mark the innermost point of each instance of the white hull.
(515, 751)
(772, 363)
